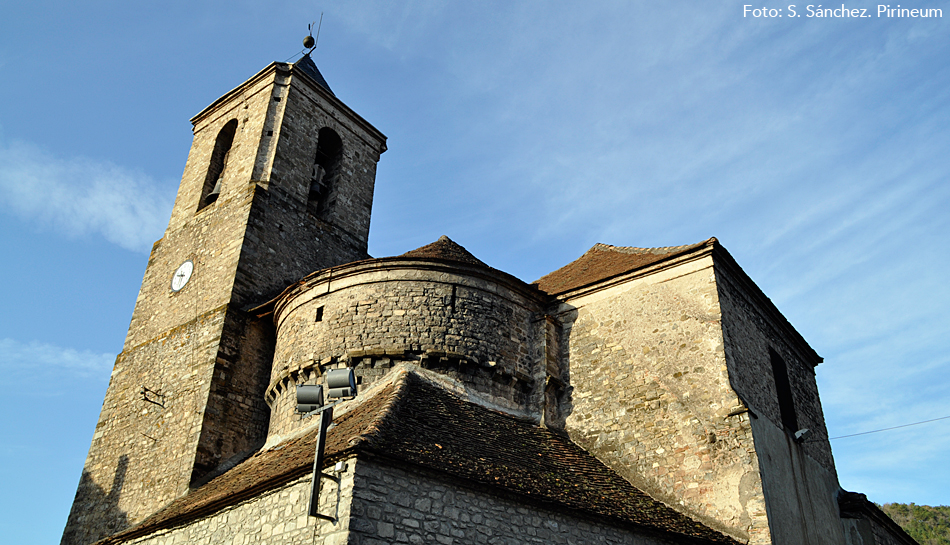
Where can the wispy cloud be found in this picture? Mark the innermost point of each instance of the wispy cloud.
(80, 196)
(20, 360)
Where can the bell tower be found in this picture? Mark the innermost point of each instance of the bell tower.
(278, 183)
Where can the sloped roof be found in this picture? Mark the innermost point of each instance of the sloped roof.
(307, 66)
(603, 261)
(854, 505)
(265, 470)
(444, 248)
(416, 421)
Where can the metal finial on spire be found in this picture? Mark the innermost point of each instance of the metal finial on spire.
(310, 42)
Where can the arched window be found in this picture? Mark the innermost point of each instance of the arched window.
(219, 163)
(326, 166)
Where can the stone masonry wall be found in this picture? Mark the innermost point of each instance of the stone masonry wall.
(275, 517)
(188, 345)
(651, 396)
(749, 332)
(235, 415)
(310, 109)
(404, 505)
(285, 241)
(409, 312)
(381, 503)
(142, 451)
(212, 238)
(798, 478)
(172, 346)
(800, 494)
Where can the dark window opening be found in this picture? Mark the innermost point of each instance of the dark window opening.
(323, 175)
(786, 403)
(319, 314)
(449, 300)
(219, 163)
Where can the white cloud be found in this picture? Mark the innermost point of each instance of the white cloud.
(38, 360)
(80, 196)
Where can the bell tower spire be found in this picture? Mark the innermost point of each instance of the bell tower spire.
(278, 183)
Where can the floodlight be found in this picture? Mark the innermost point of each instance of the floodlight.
(341, 382)
(309, 398)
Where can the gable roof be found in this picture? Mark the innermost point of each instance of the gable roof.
(444, 248)
(415, 421)
(604, 261)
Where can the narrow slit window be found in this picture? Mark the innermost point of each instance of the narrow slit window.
(218, 165)
(786, 402)
(325, 171)
(319, 317)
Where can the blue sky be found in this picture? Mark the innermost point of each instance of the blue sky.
(814, 149)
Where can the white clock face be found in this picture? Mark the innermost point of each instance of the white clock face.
(182, 275)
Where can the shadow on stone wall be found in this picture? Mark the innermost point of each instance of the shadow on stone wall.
(95, 513)
(558, 398)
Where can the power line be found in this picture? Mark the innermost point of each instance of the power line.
(891, 428)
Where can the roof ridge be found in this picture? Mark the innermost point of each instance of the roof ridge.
(400, 384)
(446, 249)
(650, 249)
(604, 261)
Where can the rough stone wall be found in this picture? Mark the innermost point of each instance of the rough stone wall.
(212, 238)
(749, 331)
(378, 502)
(172, 346)
(196, 346)
(487, 334)
(142, 451)
(650, 396)
(285, 241)
(798, 478)
(403, 505)
(235, 416)
(213, 243)
(276, 517)
(308, 110)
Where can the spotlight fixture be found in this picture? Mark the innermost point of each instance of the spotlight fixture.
(341, 383)
(309, 398)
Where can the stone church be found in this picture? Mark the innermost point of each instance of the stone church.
(633, 396)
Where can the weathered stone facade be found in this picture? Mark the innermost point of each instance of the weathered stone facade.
(651, 394)
(277, 516)
(376, 504)
(399, 505)
(664, 374)
(474, 323)
(187, 391)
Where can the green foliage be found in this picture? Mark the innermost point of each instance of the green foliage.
(928, 525)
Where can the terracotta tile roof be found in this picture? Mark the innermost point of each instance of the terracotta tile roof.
(444, 248)
(603, 261)
(434, 429)
(266, 469)
(415, 421)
